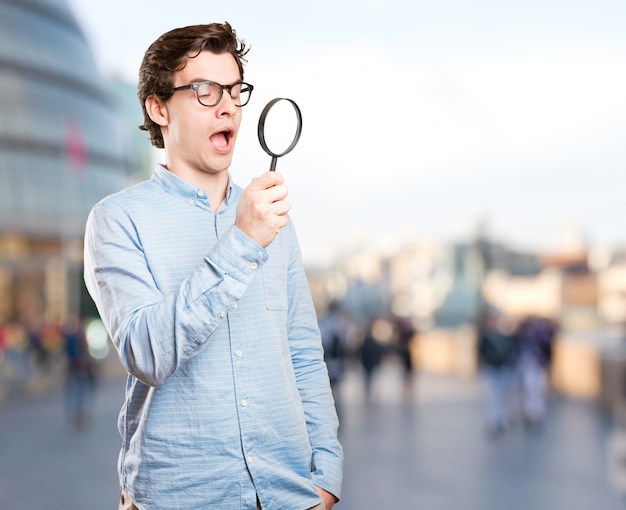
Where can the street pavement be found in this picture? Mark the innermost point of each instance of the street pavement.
(426, 450)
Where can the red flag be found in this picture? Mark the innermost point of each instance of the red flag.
(75, 149)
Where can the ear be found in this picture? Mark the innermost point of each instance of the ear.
(157, 110)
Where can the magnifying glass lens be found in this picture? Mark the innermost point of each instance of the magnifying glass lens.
(279, 127)
(276, 130)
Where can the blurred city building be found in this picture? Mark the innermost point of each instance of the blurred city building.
(441, 288)
(63, 146)
(68, 137)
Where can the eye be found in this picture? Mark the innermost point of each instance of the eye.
(208, 89)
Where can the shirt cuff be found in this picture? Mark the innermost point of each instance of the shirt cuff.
(237, 256)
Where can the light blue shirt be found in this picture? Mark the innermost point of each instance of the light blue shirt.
(227, 395)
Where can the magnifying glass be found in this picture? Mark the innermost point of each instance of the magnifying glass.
(281, 121)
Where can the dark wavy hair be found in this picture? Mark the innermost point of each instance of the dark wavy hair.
(169, 54)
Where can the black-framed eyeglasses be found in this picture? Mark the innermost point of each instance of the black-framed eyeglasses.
(210, 93)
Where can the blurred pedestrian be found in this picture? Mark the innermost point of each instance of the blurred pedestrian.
(536, 337)
(3, 339)
(17, 355)
(80, 379)
(38, 353)
(406, 336)
(334, 329)
(498, 352)
(371, 354)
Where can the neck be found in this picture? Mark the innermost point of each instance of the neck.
(216, 196)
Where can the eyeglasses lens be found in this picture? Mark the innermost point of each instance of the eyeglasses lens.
(209, 94)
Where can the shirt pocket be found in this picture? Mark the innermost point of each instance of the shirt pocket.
(275, 286)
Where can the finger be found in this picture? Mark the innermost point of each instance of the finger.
(276, 193)
(267, 180)
(281, 221)
(281, 208)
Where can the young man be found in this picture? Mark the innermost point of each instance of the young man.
(202, 289)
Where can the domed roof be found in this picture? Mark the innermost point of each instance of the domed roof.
(60, 144)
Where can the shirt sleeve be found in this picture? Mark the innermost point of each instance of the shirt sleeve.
(312, 379)
(155, 332)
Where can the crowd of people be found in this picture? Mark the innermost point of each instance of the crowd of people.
(513, 357)
(41, 350)
(346, 341)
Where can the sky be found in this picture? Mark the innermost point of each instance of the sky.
(422, 119)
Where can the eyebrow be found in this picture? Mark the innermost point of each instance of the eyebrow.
(199, 80)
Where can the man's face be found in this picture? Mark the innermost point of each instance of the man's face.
(200, 138)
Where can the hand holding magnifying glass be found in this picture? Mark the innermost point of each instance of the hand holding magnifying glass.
(261, 130)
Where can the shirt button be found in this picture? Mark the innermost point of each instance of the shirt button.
(200, 193)
(223, 314)
(235, 305)
(244, 403)
(253, 265)
(239, 353)
(191, 201)
(249, 459)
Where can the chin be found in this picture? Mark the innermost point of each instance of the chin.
(218, 164)
(215, 169)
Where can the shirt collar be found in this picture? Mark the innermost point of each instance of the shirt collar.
(181, 188)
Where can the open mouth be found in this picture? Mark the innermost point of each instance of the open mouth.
(221, 139)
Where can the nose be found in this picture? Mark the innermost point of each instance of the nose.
(226, 106)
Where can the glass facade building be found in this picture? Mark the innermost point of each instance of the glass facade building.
(61, 150)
